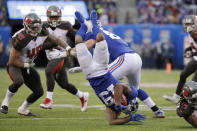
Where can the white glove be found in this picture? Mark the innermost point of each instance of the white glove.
(74, 70)
(29, 65)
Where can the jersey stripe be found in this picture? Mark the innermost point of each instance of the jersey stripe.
(117, 64)
(58, 67)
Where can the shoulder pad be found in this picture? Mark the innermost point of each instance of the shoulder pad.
(44, 31)
(65, 25)
(20, 40)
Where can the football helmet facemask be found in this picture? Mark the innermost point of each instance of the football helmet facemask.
(54, 15)
(190, 92)
(32, 24)
(189, 23)
(131, 107)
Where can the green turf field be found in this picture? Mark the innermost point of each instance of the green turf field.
(66, 114)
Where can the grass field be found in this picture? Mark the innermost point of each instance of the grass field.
(66, 114)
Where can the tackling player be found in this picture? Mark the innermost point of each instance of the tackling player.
(126, 63)
(55, 70)
(187, 106)
(189, 24)
(27, 43)
(106, 87)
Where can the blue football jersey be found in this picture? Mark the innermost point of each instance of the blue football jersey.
(104, 87)
(116, 45)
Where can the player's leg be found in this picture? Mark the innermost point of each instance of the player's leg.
(52, 67)
(101, 54)
(62, 80)
(17, 78)
(187, 71)
(33, 82)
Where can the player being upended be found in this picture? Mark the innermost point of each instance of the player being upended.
(108, 89)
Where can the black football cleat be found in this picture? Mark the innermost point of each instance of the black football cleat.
(4, 109)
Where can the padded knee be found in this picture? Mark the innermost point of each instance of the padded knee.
(17, 83)
(142, 95)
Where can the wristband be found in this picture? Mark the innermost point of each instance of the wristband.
(26, 65)
(68, 48)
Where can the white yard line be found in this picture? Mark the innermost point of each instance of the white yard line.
(69, 118)
(101, 107)
(150, 85)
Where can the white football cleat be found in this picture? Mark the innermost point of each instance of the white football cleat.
(84, 101)
(47, 104)
(172, 99)
(24, 111)
(159, 114)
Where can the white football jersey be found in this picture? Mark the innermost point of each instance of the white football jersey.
(28, 48)
(193, 44)
(58, 50)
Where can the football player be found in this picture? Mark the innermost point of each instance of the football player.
(27, 43)
(55, 70)
(189, 24)
(108, 89)
(126, 63)
(187, 106)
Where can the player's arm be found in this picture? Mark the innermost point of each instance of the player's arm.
(113, 119)
(192, 119)
(14, 58)
(119, 90)
(19, 42)
(53, 41)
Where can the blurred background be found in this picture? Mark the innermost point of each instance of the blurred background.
(153, 28)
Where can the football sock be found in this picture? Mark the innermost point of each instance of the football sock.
(50, 95)
(82, 31)
(175, 95)
(96, 29)
(8, 97)
(26, 104)
(79, 94)
(143, 96)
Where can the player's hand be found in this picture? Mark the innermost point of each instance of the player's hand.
(29, 65)
(95, 27)
(137, 117)
(75, 70)
(72, 52)
(119, 108)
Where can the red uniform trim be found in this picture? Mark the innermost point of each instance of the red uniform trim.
(58, 67)
(11, 77)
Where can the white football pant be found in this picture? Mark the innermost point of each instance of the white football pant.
(127, 66)
(95, 65)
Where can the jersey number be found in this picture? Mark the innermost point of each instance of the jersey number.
(111, 35)
(34, 51)
(107, 96)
